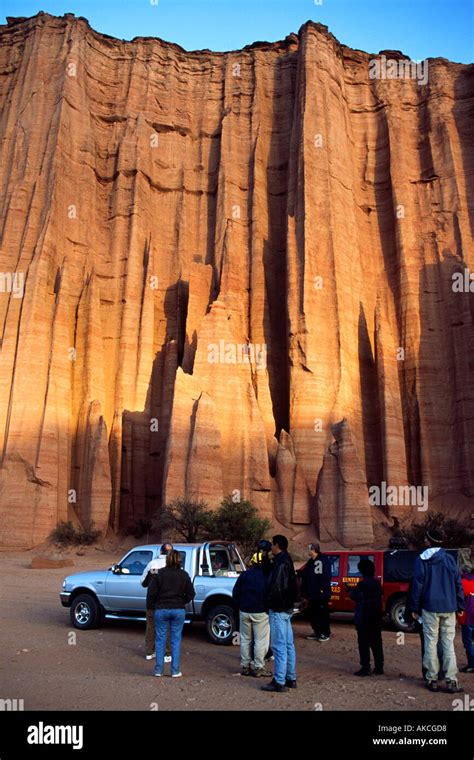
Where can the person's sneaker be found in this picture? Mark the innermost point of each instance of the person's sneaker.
(362, 672)
(269, 659)
(290, 684)
(176, 675)
(150, 656)
(377, 672)
(274, 686)
(246, 671)
(313, 637)
(467, 669)
(452, 687)
(262, 673)
(432, 685)
(323, 637)
(167, 658)
(158, 675)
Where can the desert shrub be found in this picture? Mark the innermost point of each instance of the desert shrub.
(65, 534)
(188, 518)
(238, 522)
(456, 534)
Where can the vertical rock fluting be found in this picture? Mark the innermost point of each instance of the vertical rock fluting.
(237, 278)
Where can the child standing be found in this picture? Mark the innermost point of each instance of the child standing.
(368, 619)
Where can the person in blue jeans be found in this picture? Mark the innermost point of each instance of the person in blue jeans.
(282, 594)
(169, 592)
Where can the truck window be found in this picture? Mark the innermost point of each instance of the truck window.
(223, 561)
(398, 565)
(236, 560)
(334, 560)
(136, 562)
(352, 562)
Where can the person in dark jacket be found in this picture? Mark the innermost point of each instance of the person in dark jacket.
(281, 598)
(250, 597)
(316, 591)
(368, 618)
(150, 630)
(170, 591)
(436, 596)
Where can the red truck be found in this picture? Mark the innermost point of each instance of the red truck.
(394, 569)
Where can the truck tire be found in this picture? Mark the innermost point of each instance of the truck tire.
(220, 624)
(85, 612)
(397, 615)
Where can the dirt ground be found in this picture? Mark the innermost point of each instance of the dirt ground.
(105, 669)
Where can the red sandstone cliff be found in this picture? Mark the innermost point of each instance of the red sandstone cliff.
(167, 208)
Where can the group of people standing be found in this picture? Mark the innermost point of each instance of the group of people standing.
(265, 596)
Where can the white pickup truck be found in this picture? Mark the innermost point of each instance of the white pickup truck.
(116, 593)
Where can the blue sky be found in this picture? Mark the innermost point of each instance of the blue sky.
(420, 28)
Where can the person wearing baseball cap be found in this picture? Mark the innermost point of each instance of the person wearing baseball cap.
(250, 598)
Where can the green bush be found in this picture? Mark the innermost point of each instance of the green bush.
(188, 518)
(65, 534)
(238, 522)
(194, 521)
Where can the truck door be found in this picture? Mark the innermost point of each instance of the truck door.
(188, 562)
(351, 578)
(202, 574)
(218, 562)
(123, 588)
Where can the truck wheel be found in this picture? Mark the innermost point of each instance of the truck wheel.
(397, 615)
(220, 624)
(85, 612)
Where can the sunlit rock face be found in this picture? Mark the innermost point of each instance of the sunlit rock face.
(232, 274)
